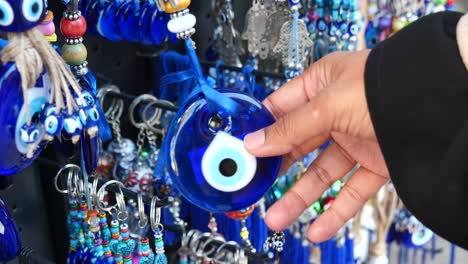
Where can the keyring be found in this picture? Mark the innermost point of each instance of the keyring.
(149, 124)
(197, 242)
(142, 218)
(71, 175)
(218, 255)
(122, 214)
(155, 216)
(101, 193)
(116, 107)
(140, 99)
(206, 254)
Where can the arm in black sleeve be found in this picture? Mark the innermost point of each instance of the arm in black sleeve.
(417, 92)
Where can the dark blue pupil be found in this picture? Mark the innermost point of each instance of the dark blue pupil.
(35, 7)
(228, 167)
(2, 14)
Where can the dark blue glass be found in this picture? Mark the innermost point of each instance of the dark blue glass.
(127, 19)
(145, 23)
(108, 22)
(21, 15)
(209, 165)
(10, 244)
(159, 29)
(93, 15)
(13, 117)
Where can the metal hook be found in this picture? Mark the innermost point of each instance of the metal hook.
(152, 122)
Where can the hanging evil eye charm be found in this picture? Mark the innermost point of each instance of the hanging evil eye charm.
(52, 122)
(88, 113)
(21, 15)
(73, 126)
(10, 243)
(31, 135)
(208, 162)
(13, 133)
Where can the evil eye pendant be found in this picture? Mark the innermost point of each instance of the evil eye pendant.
(21, 15)
(31, 135)
(52, 122)
(73, 126)
(209, 165)
(89, 114)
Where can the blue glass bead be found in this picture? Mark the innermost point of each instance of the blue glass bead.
(127, 19)
(144, 23)
(322, 25)
(89, 150)
(21, 15)
(94, 12)
(160, 259)
(52, 122)
(372, 36)
(353, 29)
(107, 25)
(13, 118)
(10, 243)
(72, 124)
(158, 27)
(159, 244)
(210, 166)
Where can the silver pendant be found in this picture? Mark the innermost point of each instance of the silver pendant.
(273, 26)
(282, 47)
(255, 26)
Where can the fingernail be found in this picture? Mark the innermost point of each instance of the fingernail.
(255, 140)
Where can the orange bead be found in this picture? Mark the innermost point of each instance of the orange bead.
(183, 4)
(242, 214)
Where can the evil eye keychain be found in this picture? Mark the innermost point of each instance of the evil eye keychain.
(158, 228)
(145, 252)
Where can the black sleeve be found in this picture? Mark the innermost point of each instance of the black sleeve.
(417, 92)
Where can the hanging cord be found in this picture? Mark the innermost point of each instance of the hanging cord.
(383, 216)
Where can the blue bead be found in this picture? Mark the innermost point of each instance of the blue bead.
(191, 141)
(21, 15)
(107, 26)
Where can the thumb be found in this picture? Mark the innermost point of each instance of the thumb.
(321, 115)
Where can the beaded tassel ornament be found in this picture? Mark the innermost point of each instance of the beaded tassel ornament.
(33, 58)
(158, 228)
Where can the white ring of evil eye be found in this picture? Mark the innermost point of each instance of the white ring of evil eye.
(223, 147)
(94, 114)
(8, 14)
(28, 10)
(51, 124)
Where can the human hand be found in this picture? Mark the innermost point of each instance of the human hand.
(326, 102)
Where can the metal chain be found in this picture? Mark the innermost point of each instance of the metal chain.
(141, 141)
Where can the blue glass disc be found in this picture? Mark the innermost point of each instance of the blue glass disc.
(92, 17)
(145, 23)
(128, 17)
(159, 29)
(108, 23)
(209, 166)
(10, 243)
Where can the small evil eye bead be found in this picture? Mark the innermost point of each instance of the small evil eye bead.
(32, 136)
(322, 25)
(91, 125)
(52, 122)
(33, 10)
(353, 29)
(7, 15)
(73, 126)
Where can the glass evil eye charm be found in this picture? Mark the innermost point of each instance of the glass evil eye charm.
(21, 15)
(209, 164)
(52, 122)
(10, 244)
(15, 134)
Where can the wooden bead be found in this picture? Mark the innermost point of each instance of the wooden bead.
(74, 54)
(183, 4)
(73, 28)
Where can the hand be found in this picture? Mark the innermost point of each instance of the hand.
(326, 102)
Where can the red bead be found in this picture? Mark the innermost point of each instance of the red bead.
(73, 28)
(450, 2)
(242, 214)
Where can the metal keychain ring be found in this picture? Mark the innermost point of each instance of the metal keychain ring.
(69, 179)
(152, 123)
(101, 194)
(142, 218)
(205, 254)
(115, 110)
(132, 109)
(155, 215)
(122, 215)
(223, 248)
(195, 242)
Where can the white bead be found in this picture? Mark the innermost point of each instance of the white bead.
(181, 24)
